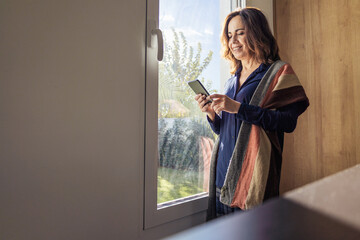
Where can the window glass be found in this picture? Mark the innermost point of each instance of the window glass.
(191, 31)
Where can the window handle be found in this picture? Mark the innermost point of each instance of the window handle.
(152, 30)
(160, 42)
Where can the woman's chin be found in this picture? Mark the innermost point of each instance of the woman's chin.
(241, 57)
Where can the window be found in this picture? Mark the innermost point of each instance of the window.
(191, 51)
(178, 139)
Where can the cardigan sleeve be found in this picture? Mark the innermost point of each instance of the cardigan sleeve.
(283, 119)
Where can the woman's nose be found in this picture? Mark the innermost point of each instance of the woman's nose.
(234, 40)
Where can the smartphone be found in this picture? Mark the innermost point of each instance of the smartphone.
(197, 87)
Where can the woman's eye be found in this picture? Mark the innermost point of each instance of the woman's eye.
(241, 33)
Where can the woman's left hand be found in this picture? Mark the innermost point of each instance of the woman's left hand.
(224, 103)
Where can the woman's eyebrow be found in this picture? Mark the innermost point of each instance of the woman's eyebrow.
(239, 29)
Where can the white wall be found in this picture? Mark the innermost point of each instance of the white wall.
(72, 121)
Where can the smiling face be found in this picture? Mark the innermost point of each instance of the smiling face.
(236, 36)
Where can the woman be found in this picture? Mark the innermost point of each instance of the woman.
(262, 100)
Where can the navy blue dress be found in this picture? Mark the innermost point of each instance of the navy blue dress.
(227, 125)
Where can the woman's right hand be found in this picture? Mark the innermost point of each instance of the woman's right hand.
(205, 106)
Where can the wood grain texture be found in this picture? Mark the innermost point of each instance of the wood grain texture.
(320, 39)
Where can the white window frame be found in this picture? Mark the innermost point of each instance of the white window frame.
(155, 214)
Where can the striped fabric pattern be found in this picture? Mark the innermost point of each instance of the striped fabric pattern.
(254, 173)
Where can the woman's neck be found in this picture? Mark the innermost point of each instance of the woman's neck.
(249, 65)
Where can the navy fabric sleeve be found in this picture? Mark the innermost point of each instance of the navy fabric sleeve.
(215, 125)
(283, 119)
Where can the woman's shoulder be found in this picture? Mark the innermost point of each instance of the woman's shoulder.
(283, 67)
(285, 76)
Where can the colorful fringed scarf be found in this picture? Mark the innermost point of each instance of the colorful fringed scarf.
(253, 174)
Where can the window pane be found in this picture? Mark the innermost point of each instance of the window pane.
(191, 30)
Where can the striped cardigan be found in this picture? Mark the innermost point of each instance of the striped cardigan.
(253, 174)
